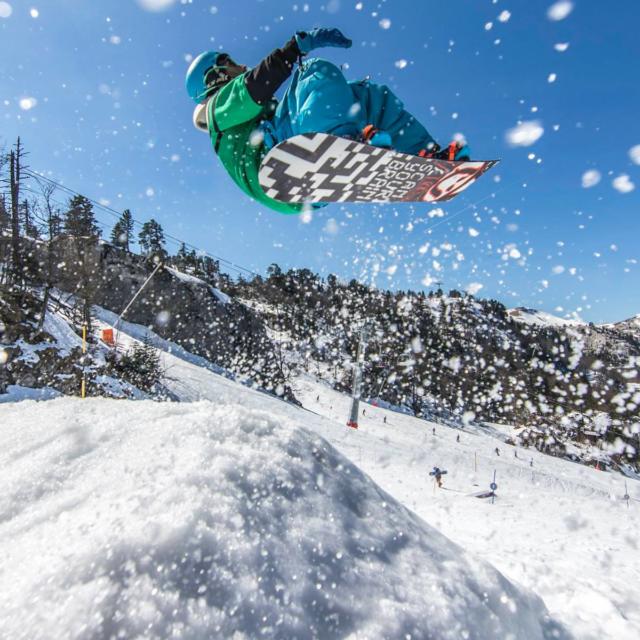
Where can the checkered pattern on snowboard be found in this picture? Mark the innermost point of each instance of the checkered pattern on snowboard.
(319, 167)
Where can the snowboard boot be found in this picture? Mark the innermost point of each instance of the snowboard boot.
(375, 137)
(453, 151)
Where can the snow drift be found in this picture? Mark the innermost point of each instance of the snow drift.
(121, 519)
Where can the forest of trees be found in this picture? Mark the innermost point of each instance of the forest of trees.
(435, 354)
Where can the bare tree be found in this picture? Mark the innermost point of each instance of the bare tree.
(52, 222)
(15, 177)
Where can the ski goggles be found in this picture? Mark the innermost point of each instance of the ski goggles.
(216, 74)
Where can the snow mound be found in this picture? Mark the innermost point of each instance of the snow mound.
(122, 519)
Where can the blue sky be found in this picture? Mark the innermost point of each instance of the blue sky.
(96, 91)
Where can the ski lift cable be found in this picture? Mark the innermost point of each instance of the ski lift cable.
(118, 214)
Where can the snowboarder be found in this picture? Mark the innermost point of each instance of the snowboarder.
(497, 451)
(236, 106)
(437, 474)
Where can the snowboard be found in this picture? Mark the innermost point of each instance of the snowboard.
(319, 168)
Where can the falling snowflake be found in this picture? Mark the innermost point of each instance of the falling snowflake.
(552, 78)
(623, 184)
(525, 134)
(561, 46)
(156, 5)
(5, 10)
(504, 16)
(385, 23)
(634, 154)
(590, 178)
(560, 10)
(27, 103)
(401, 64)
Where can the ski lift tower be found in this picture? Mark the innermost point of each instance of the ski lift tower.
(357, 378)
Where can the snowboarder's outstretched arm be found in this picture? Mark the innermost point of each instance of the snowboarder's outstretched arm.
(243, 98)
(266, 77)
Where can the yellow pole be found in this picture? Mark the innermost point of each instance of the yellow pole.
(84, 352)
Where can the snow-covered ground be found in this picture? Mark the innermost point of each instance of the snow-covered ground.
(533, 316)
(241, 513)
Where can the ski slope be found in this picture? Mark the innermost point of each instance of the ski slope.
(109, 506)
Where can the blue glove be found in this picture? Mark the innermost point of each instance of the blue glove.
(316, 38)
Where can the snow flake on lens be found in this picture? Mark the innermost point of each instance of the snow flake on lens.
(525, 133)
(256, 138)
(5, 10)
(27, 103)
(156, 5)
(163, 318)
(623, 184)
(559, 10)
(590, 178)
(34, 13)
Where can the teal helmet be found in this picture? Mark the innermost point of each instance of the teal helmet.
(199, 80)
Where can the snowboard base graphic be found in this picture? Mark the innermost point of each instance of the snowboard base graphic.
(319, 167)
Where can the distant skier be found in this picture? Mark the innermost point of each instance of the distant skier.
(497, 452)
(236, 106)
(437, 474)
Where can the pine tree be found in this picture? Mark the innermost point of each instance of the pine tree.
(152, 241)
(79, 220)
(122, 230)
(141, 366)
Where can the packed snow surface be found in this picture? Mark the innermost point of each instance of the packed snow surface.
(124, 519)
(193, 519)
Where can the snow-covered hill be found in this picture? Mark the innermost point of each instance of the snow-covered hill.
(122, 516)
(153, 520)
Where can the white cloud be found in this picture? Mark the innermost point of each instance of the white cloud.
(156, 5)
(525, 134)
(590, 178)
(634, 154)
(623, 184)
(560, 10)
